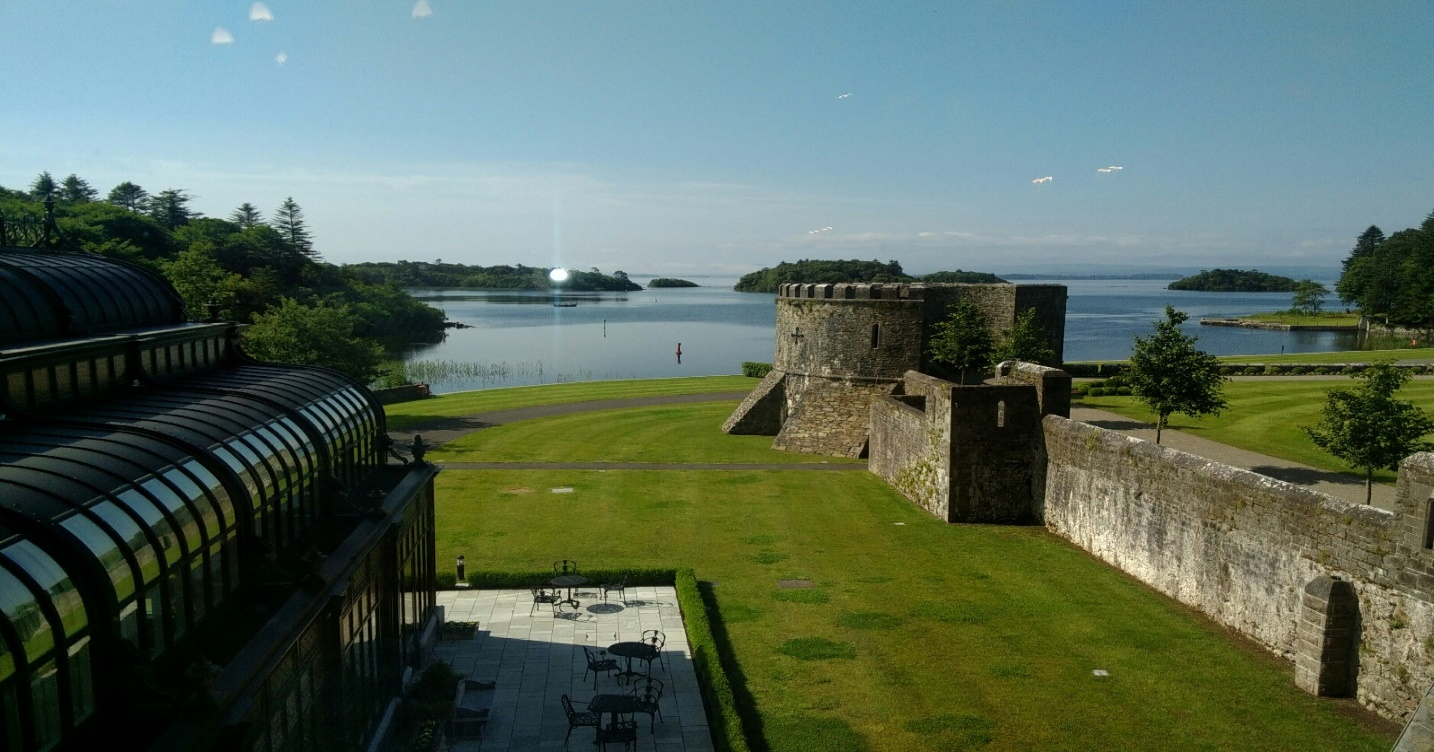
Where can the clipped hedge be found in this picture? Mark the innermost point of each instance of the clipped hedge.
(723, 719)
(523, 580)
(756, 370)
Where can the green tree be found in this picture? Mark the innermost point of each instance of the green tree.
(75, 190)
(321, 335)
(129, 196)
(171, 208)
(1368, 428)
(289, 221)
(1026, 341)
(962, 341)
(44, 187)
(246, 216)
(1171, 375)
(200, 281)
(1309, 297)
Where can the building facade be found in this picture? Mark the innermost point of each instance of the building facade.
(197, 550)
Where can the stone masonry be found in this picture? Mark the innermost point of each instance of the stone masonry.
(840, 347)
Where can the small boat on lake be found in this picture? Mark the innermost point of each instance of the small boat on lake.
(565, 305)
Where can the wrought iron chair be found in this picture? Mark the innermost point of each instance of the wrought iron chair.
(619, 587)
(618, 731)
(547, 595)
(566, 566)
(576, 718)
(598, 661)
(655, 639)
(648, 692)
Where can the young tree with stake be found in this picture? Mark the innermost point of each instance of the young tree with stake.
(1171, 375)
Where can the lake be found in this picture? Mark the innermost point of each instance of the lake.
(521, 338)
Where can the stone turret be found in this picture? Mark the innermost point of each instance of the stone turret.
(840, 346)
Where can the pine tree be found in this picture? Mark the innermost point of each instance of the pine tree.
(129, 196)
(44, 187)
(1171, 375)
(289, 221)
(246, 216)
(171, 208)
(75, 190)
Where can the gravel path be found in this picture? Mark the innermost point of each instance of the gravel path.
(1335, 484)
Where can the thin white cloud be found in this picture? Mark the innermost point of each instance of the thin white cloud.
(260, 12)
(1110, 169)
(281, 58)
(221, 35)
(1045, 179)
(421, 9)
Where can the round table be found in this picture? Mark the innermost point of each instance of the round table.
(630, 650)
(569, 581)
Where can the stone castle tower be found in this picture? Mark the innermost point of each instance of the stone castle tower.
(840, 346)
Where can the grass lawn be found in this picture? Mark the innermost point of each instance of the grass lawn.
(1303, 319)
(1344, 356)
(917, 636)
(1266, 416)
(408, 414)
(677, 433)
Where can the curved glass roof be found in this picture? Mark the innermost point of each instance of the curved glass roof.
(52, 294)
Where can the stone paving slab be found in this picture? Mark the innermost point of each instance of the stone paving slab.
(536, 657)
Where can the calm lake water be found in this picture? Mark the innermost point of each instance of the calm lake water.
(522, 338)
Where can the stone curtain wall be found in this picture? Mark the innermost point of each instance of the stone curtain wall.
(1242, 548)
(762, 412)
(1000, 303)
(911, 442)
(993, 435)
(828, 416)
(831, 336)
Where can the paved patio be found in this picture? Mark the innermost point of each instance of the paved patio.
(536, 659)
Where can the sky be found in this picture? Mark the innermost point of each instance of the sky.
(683, 138)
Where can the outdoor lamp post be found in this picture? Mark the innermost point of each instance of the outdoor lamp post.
(460, 565)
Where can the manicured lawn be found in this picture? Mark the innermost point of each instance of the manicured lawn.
(408, 414)
(918, 636)
(682, 433)
(1266, 416)
(1300, 319)
(1347, 356)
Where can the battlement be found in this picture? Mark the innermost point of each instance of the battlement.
(852, 291)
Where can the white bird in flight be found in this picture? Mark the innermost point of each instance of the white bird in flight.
(1045, 179)
(844, 96)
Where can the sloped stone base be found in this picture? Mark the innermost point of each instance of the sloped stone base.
(832, 417)
(760, 414)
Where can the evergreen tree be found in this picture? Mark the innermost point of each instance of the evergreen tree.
(129, 196)
(171, 208)
(1309, 297)
(44, 187)
(963, 340)
(246, 216)
(289, 221)
(75, 190)
(1355, 278)
(1368, 428)
(1171, 375)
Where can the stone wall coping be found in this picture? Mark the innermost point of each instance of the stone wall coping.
(1328, 505)
(888, 403)
(1011, 368)
(884, 291)
(839, 377)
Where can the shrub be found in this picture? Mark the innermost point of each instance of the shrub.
(1117, 380)
(1123, 391)
(1095, 391)
(446, 580)
(1252, 370)
(1349, 370)
(519, 580)
(726, 724)
(756, 370)
(1228, 370)
(1321, 371)
(1298, 370)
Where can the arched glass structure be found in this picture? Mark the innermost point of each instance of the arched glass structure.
(59, 294)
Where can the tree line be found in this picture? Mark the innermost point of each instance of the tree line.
(824, 271)
(1234, 280)
(1392, 277)
(264, 271)
(502, 277)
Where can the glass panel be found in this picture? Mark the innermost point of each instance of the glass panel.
(129, 623)
(153, 617)
(152, 517)
(82, 686)
(48, 574)
(107, 551)
(191, 491)
(19, 606)
(7, 662)
(217, 491)
(176, 603)
(10, 707)
(45, 693)
(169, 498)
(133, 535)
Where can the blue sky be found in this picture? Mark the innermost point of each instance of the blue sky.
(714, 138)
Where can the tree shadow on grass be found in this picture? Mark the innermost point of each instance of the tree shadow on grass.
(1306, 476)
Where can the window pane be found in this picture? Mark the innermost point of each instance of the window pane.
(48, 574)
(45, 693)
(216, 490)
(133, 536)
(107, 551)
(152, 517)
(183, 516)
(82, 689)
